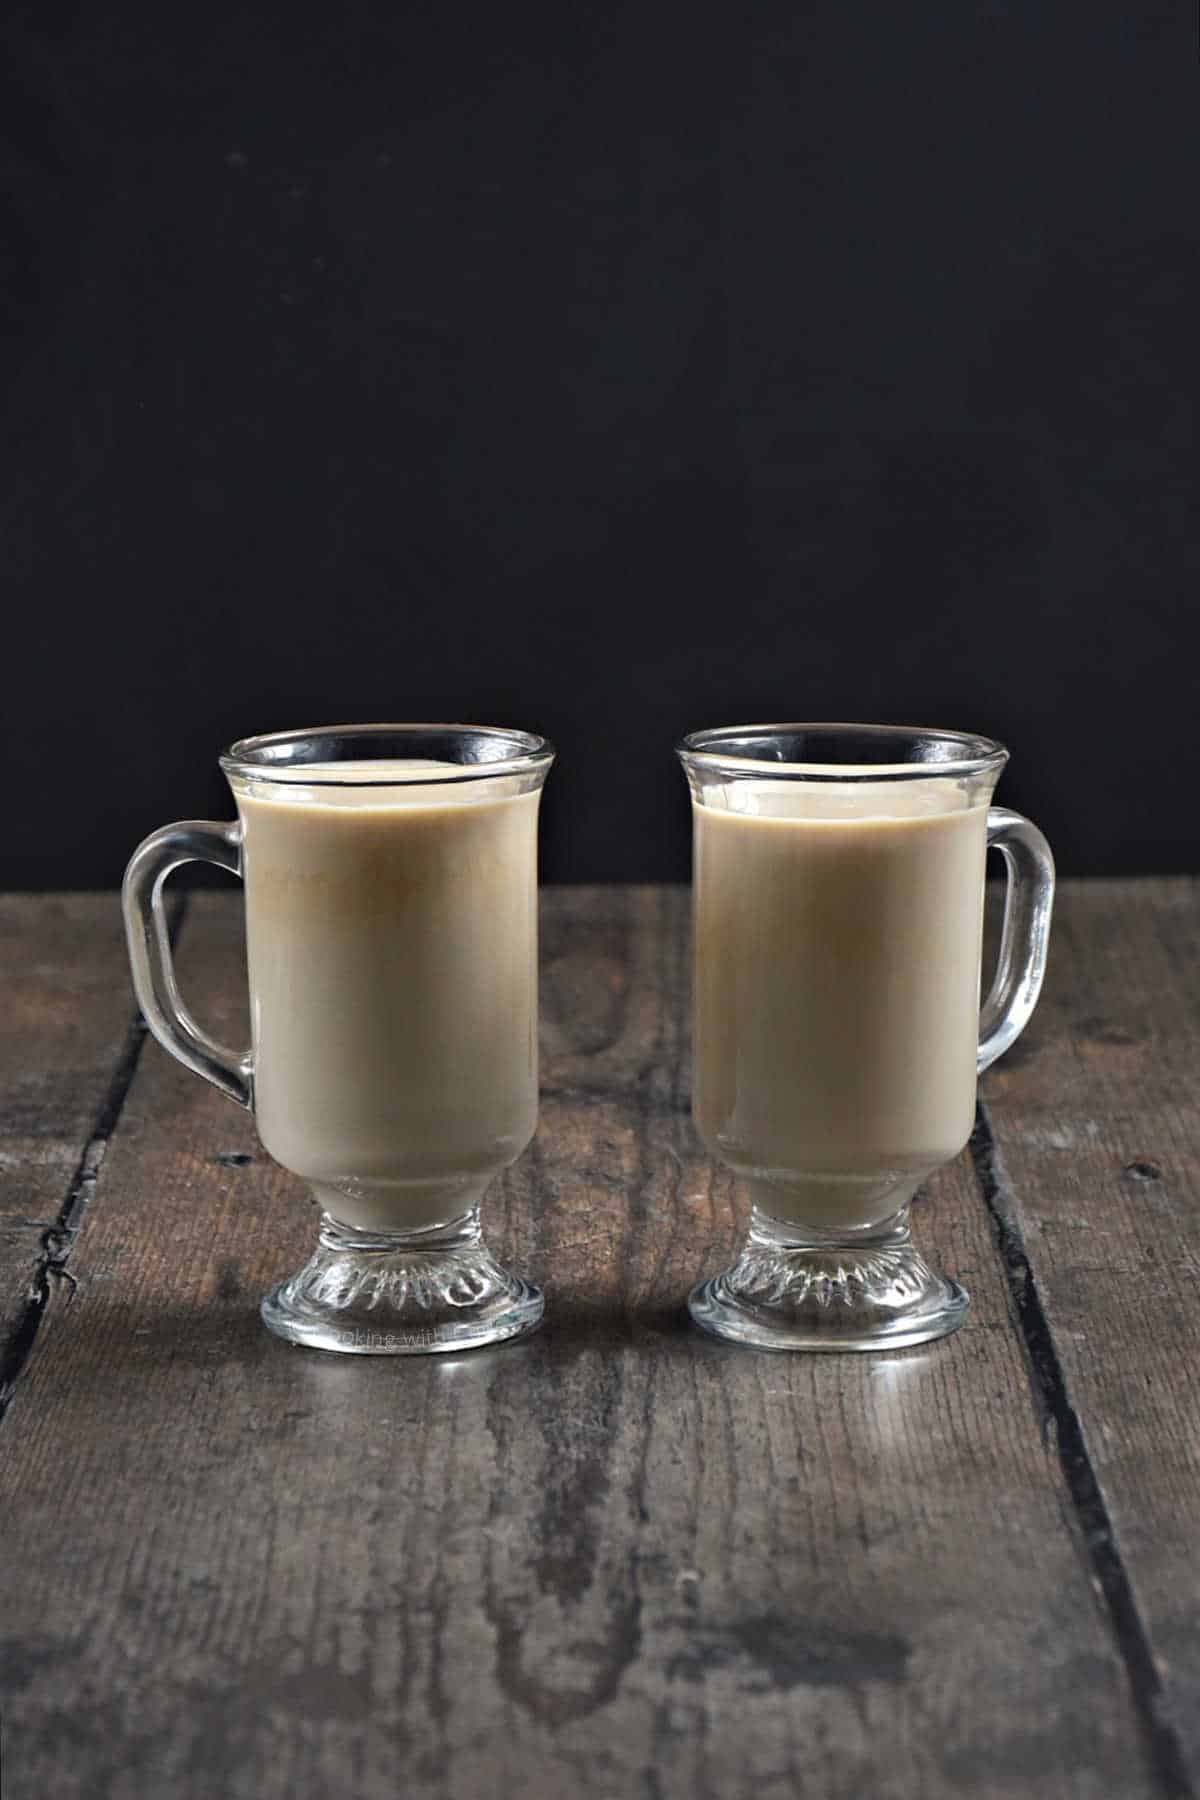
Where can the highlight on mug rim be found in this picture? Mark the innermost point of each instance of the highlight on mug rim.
(478, 753)
(840, 751)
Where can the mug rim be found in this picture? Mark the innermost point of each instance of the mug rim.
(717, 749)
(262, 757)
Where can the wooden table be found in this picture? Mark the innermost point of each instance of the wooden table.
(619, 1559)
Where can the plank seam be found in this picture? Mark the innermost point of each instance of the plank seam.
(1060, 1418)
(58, 1239)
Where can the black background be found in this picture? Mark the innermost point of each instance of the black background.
(611, 372)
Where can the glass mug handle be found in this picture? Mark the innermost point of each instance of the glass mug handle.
(154, 983)
(1028, 902)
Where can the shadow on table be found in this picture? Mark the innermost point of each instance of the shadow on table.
(223, 1342)
(141, 1333)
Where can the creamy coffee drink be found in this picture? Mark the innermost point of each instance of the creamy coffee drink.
(392, 949)
(838, 933)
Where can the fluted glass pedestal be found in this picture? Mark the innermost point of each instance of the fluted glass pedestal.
(402, 1293)
(792, 1288)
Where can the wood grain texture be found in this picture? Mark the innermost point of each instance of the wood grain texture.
(67, 1035)
(1096, 1122)
(618, 1559)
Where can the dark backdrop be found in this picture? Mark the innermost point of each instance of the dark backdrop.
(612, 372)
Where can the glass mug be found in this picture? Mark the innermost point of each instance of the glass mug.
(838, 919)
(390, 879)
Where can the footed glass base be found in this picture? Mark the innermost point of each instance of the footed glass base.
(402, 1293)
(791, 1289)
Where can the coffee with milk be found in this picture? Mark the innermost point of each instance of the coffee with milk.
(392, 948)
(837, 966)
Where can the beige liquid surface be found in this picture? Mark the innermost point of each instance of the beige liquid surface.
(392, 948)
(837, 955)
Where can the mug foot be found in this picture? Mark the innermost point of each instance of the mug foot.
(402, 1294)
(784, 1293)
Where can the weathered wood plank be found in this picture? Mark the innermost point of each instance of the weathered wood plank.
(66, 1036)
(618, 1559)
(1096, 1120)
